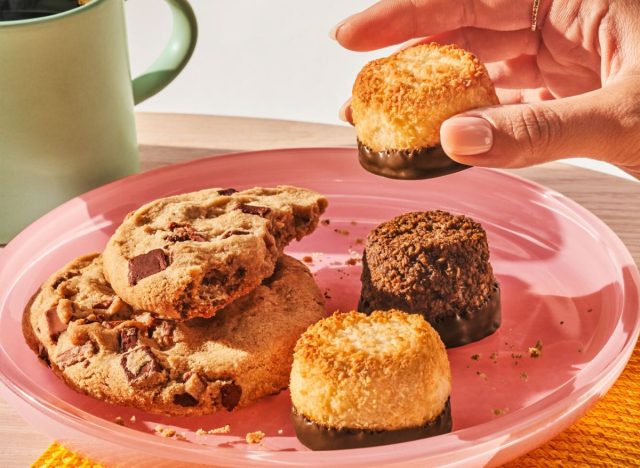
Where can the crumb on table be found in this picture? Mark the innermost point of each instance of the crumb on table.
(342, 232)
(475, 357)
(325, 222)
(307, 259)
(352, 261)
(132, 419)
(119, 421)
(254, 437)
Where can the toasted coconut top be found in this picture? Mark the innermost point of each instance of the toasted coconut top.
(399, 102)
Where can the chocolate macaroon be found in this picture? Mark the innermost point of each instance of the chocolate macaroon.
(399, 103)
(362, 380)
(435, 264)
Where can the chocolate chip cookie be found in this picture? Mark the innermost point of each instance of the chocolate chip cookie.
(111, 351)
(190, 255)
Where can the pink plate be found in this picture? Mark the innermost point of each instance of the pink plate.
(567, 281)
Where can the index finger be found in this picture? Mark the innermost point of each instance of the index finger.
(391, 22)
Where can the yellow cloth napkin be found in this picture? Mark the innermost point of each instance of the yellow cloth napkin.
(56, 456)
(608, 435)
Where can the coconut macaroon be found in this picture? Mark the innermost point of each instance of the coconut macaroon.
(399, 103)
(361, 380)
(435, 264)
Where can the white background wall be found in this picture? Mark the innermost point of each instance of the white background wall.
(260, 58)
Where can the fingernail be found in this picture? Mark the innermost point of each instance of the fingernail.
(333, 34)
(466, 136)
(345, 113)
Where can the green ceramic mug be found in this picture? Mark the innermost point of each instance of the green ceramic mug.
(66, 104)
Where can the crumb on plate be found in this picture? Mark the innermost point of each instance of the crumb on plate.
(536, 351)
(254, 437)
(164, 431)
(226, 429)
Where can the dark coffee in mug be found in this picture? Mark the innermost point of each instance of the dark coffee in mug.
(16, 10)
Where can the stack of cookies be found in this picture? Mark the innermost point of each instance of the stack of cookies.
(192, 308)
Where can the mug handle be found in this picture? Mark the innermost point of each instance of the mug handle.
(175, 55)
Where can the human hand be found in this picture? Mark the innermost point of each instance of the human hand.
(571, 88)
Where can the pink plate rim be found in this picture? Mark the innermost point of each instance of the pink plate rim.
(595, 378)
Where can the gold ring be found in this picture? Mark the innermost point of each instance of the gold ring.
(534, 15)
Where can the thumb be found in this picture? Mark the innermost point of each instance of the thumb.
(602, 124)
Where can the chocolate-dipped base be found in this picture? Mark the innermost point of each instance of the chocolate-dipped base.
(461, 328)
(422, 163)
(472, 325)
(318, 437)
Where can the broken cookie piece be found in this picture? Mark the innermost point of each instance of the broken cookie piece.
(190, 255)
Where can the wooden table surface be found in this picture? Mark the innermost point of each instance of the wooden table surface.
(169, 138)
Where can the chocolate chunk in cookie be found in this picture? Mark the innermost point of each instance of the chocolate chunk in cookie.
(43, 354)
(261, 211)
(235, 232)
(184, 399)
(141, 366)
(146, 264)
(185, 233)
(230, 395)
(228, 191)
(54, 325)
(128, 339)
(75, 355)
(61, 279)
